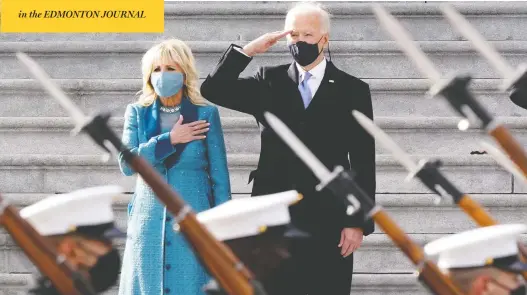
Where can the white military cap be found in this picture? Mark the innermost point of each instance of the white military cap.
(244, 217)
(87, 211)
(485, 246)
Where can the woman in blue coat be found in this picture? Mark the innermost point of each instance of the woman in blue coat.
(176, 131)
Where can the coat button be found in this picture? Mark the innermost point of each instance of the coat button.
(167, 290)
(168, 243)
(167, 266)
(168, 218)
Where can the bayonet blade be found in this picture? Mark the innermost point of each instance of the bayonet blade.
(76, 114)
(406, 43)
(459, 22)
(503, 160)
(40, 75)
(386, 141)
(298, 147)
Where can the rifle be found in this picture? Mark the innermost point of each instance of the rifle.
(429, 174)
(220, 261)
(39, 250)
(514, 80)
(455, 91)
(342, 184)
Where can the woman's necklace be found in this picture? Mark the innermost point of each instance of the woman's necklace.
(173, 109)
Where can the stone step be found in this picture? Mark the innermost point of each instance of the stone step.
(44, 135)
(368, 284)
(391, 97)
(397, 205)
(378, 254)
(111, 60)
(350, 21)
(430, 218)
(26, 97)
(62, 173)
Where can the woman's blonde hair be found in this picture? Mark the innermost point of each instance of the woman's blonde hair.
(166, 52)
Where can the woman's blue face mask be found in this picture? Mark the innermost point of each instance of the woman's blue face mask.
(167, 84)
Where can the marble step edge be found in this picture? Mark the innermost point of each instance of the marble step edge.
(249, 123)
(340, 8)
(203, 47)
(360, 281)
(234, 160)
(389, 201)
(129, 85)
(371, 242)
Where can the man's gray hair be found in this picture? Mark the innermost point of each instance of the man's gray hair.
(309, 6)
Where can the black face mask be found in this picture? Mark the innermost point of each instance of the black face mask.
(105, 272)
(103, 275)
(519, 291)
(304, 53)
(44, 287)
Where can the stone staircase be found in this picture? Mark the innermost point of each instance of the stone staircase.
(102, 72)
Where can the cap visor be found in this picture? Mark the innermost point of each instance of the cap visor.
(516, 266)
(295, 233)
(114, 233)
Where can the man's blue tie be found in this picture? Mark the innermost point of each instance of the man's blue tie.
(304, 90)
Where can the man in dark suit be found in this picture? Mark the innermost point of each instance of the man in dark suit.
(315, 99)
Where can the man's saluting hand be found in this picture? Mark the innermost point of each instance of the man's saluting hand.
(264, 42)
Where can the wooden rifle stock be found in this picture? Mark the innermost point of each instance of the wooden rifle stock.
(41, 253)
(457, 91)
(343, 186)
(517, 154)
(511, 146)
(476, 211)
(437, 282)
(483, 218)
(430, 175)
(230, 272)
